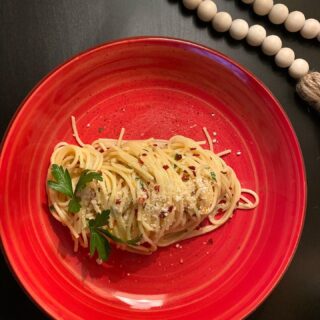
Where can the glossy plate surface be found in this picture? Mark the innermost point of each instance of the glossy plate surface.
(154, 87)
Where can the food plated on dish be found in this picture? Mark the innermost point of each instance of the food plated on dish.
(166, 90)
(141, 194)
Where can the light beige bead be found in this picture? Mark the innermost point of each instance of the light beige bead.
(239, 29)
(310, 29)
(284, 58)
(278, 14)
(247, 1)
(295, 21)
(256, 35)
(262, 7)
(222, 21)
(271, 45)
(298, 68)
(207, 10)
(191, 4)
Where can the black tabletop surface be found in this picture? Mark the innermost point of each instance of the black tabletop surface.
(38, 35)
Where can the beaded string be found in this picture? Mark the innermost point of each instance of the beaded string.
(308, 86)
(294, 21)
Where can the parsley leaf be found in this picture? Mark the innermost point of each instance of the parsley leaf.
(213, 176)
(74, 205)
(99, 236)
(99, 244)
(100, 220)
(63, 182)
(86, 177)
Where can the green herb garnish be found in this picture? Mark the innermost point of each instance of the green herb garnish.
(213, 176)
(98, 242)
(99, 236)
(63, 184)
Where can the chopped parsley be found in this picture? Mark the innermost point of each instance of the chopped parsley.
(213, 176)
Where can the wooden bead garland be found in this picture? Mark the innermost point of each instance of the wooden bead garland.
(294, 21)
(308, 86)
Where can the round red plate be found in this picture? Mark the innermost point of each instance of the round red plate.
(154, 87)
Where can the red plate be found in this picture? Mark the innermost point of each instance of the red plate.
(154, 87)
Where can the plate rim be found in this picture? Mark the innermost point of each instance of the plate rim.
(259, 299)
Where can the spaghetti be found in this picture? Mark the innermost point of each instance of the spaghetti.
(164, 191)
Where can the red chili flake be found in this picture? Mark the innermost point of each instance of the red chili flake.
(157, 188)
(193, 149)
(185, 177)
(170, 208)
(140, 161)
(178, 157)
(194, 173)
(192, 167)
(210, 241)
(155, 145)
(161, 215)
(196, 155)
(118, 201)
(165, 167)
(135, 211)
(100, 130)
(144, 154)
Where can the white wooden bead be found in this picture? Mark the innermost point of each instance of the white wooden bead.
(262, 7)
(256, 35)
(278, 14)
(222, 21)
(191, 4)
(207, 10)
(298, 68)
(247, 1)
(284, 58)
(310, 29)
(271, 45)
(239, 29)
(295, 21)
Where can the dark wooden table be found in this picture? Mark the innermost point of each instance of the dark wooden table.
(38, 35)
